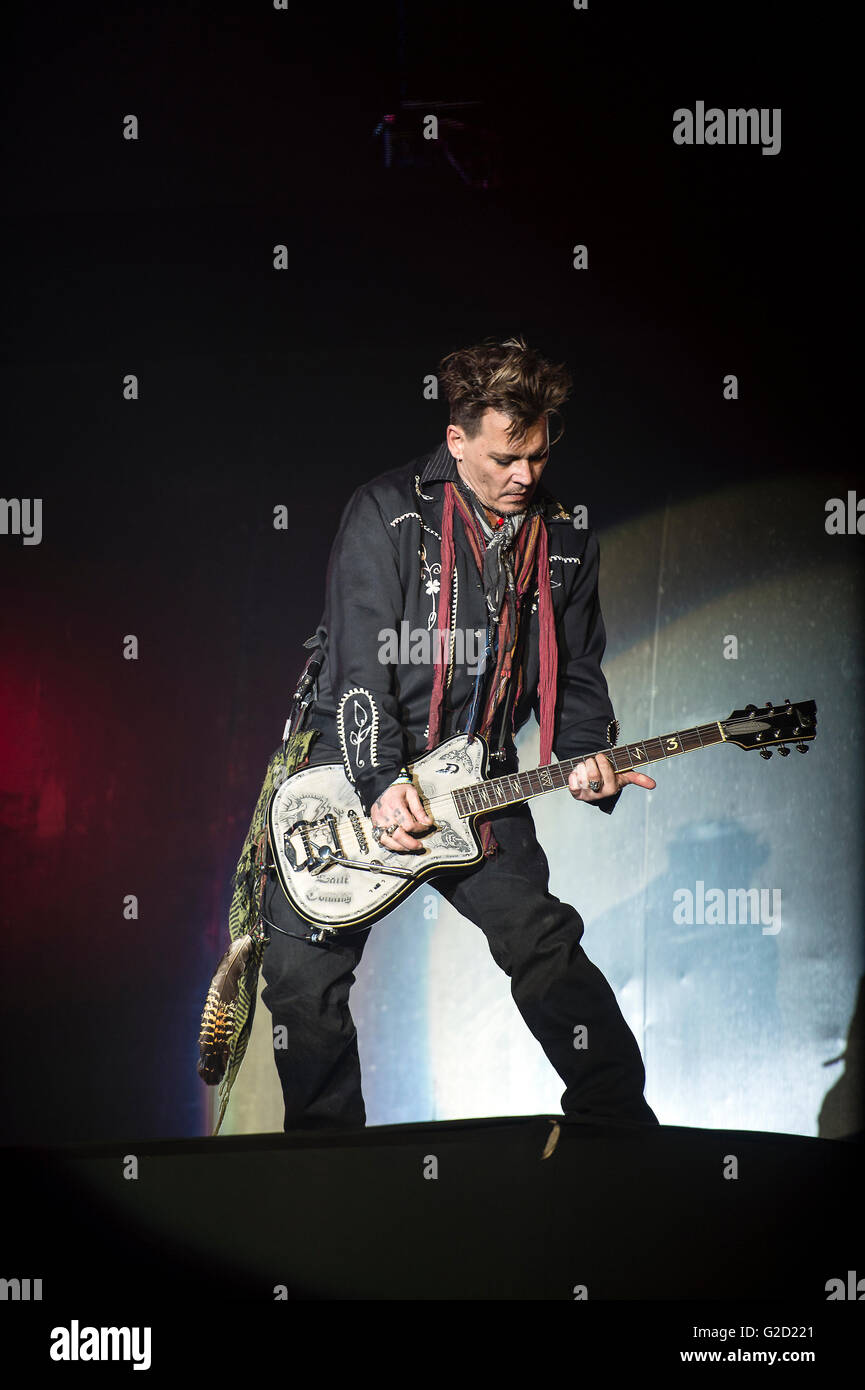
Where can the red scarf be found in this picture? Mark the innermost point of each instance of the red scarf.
(530, 563)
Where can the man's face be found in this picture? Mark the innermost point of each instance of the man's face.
(504, 476)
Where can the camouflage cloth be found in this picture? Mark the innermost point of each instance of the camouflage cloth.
(244, 915)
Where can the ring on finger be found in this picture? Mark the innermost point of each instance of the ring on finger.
(381, 830)
(595, 786)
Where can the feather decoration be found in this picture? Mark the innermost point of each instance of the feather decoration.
(552, 1139)
(217, 1021)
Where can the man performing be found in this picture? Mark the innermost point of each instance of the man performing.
(464, 541)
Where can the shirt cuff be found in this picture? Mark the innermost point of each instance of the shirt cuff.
(370, 786)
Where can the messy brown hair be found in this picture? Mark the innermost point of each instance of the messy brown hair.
(506, 376)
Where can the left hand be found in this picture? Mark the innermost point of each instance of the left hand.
(600, 769)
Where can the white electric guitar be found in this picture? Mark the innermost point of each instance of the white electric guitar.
(334, 873)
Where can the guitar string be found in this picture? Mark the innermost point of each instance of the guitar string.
(342, 825)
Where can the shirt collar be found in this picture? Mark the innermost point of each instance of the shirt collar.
(441, 466)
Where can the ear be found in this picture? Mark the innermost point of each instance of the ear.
(456, 440)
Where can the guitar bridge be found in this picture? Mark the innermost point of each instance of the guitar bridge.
(316, 857)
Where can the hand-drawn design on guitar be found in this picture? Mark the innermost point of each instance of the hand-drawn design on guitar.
(314, 896)
(449, 837)
(461, 756)
(322, 840)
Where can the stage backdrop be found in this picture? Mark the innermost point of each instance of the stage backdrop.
(238, 241)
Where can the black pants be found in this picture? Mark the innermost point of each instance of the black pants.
(535, 939)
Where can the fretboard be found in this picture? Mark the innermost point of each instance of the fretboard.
(627, 757)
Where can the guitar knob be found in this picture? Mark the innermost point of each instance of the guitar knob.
(765, 752)
(803, 747)
(784, 751)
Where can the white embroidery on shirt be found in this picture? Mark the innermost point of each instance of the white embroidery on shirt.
(450, 671)
(363, 726)
(432, 584)
(397, 519)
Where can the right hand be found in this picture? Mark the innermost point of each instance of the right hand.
(401, 806)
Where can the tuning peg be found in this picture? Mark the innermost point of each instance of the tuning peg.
(786, 702)
(802, 747)
(784, 751)
(768, 704)
(765, 752)
(751, 709)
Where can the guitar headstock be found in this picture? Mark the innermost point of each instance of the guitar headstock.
(773, 725)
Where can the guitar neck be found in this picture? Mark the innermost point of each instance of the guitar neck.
(627, 757)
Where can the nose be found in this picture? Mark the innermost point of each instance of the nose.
(522, 474)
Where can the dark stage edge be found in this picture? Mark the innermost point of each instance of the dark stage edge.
(629, 1213)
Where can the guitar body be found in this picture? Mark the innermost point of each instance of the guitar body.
(315, 817)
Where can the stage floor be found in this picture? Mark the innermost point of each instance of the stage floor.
(460, 1210)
